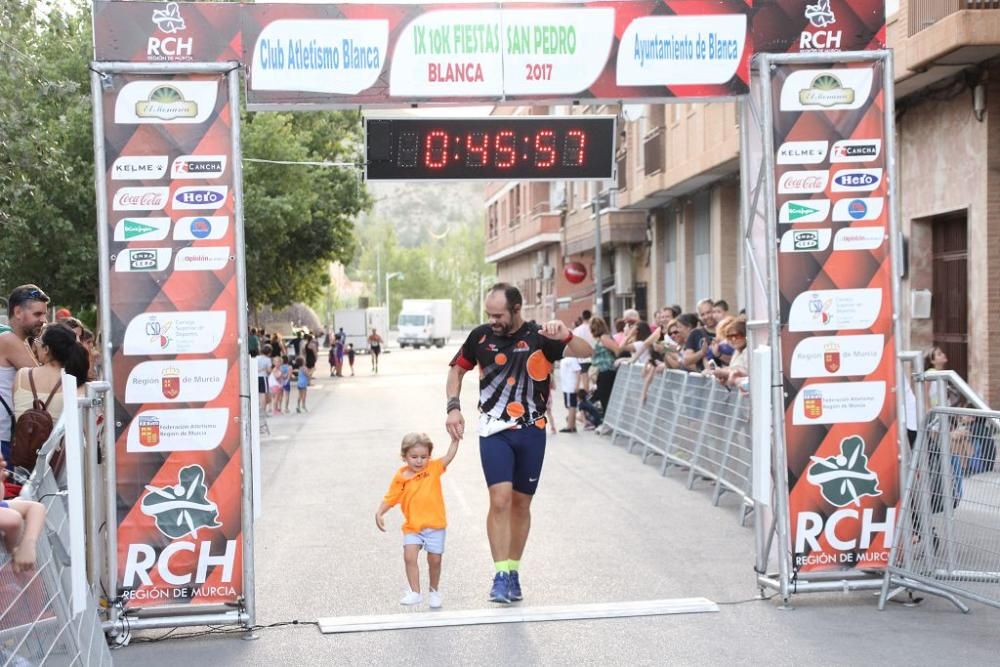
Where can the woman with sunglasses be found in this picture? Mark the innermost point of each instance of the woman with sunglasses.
(663, 346)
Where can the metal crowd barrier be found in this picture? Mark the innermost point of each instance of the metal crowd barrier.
(48, 616)
(947, 534)
(691, 421)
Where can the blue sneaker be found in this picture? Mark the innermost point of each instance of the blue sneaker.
(501, 587)
(514, 587)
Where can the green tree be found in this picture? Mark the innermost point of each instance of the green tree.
(47, 212)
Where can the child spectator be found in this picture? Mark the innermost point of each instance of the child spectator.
(350, 356)
(286, 380)
(302, 383)
(589, 411)
(21, 523)
(416, 488)
(275, 386)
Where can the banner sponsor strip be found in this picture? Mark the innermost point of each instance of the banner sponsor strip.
(174, 335)
(836, 304)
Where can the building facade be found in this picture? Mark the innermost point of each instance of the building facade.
(670, 232)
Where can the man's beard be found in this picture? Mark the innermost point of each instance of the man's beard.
(501, 329)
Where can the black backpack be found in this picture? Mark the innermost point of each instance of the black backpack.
(32, 428)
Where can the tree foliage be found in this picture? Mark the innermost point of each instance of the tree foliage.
(297, 218)
(47, 212)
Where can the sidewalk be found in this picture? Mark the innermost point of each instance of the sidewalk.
(606, 528)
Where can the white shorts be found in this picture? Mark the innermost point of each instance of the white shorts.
(431, 539)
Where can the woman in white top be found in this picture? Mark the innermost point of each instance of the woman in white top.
(57, 350)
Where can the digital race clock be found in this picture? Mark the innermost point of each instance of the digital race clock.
(490, 148)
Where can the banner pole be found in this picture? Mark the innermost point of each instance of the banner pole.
(246, 459)
(104, 312)
(774, 311)
(895, 250)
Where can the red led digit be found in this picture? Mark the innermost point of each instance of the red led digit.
(574, 153)
(545, 150)
(506, 154)
(477, 149)
(436, 149)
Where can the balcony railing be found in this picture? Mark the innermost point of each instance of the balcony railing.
(925, 13)
(652, 151)
(541, 219)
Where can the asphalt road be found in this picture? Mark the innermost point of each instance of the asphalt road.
(605, 529)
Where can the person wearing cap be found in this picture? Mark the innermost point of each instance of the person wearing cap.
(26, 312)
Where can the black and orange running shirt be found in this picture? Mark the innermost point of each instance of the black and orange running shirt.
(513, 371)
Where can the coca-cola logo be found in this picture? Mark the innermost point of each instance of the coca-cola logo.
(140, 199)
(803, 181)
(145, 199)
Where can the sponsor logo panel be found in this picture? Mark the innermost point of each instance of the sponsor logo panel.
(139, 168)
(168, 45)
(856, 180)
(835, 356)
(143, 259)
(159, 102)
(832, 310)
(202, 259)
(805, 240)
(855, 150)
(180, 381)
(859, 238)
(801, 182)
(826, 90)
(838, 403)
(804, 210)
(190, 332)
(821, 36)
(861, 208)
(142, 229)
(200, 197)
(201, 228)
(188, 167)
(802, 152)
(141, 199)
(177, 430)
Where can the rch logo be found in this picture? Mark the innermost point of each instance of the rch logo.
(169, 21)
(845, 478)
(184, 508)
(820, 16)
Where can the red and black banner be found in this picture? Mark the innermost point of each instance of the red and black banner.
(836, 308)
(173, 304)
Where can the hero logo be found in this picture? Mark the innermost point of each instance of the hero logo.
(207, 197)
(820, 16)
(857, 180)
(855, 150)
(803, 182)
(169, 22)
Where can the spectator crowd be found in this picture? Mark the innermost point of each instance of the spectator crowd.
(710, 341)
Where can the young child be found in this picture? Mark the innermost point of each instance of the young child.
(416, 488)
(275, 386)
(350, 356)
(286, 380)
(302, 383)
(21, 523)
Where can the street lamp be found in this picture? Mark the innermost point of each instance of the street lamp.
(388, 277)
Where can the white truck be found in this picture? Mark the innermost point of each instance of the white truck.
(358, 324)
(425, 322)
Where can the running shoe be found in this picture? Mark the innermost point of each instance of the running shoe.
(411, 598)
(514, 587)
(434, 600)
(501, 588)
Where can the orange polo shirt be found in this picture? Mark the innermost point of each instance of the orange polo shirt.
(419, 497)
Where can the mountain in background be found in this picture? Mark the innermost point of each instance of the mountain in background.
(422, 212)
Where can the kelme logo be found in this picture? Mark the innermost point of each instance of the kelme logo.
(845, 478)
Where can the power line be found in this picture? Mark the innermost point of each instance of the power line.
(353, 165)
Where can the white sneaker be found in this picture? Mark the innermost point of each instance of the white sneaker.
(434, 600)
(411, 598)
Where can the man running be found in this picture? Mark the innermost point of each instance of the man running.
(515, 359)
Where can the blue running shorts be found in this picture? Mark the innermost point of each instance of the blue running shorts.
(515, 456)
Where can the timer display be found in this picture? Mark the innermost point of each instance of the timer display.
(490, 148)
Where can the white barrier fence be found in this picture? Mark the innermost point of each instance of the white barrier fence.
(692, 422)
